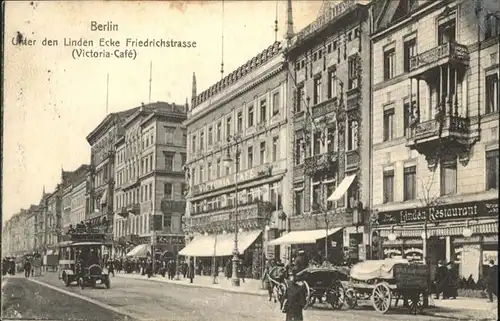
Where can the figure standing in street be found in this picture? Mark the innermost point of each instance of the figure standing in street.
(191, 270)
(440, 279)
(492, 286)
(111, 267)
(27, 268)
(294, 299)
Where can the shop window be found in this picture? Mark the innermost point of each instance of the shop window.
(492, 169)
(388, 186)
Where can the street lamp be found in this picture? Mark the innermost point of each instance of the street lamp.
(235, 280)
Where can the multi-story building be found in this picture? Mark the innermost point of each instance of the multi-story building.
(329, 64)
(149, 176)
(74, 186)
(18, 233)
(100, 192)
(29, 233)
(53, 220)
(435, 131)
(40, 225)
(237, 162)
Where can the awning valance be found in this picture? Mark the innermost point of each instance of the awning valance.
(304, 237)
(140, 250)
(342, 188)
(219, 245)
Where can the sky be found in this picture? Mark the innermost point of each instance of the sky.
(53, 101)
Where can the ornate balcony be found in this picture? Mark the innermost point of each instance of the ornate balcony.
(324, 107)
(254, 215)
(443, 54)
(320, 163)
(132, 208)
(171, 206)
(448, 133)
(352, 159)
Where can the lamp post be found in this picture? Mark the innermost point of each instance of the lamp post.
(427, 262)
(235, 280)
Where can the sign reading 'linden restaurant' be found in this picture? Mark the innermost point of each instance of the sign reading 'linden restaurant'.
(438, 213)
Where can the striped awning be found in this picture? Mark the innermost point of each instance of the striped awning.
(483, 228)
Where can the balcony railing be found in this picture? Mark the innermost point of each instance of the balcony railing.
(324, 107)
(435, 130)
(319, 163)
(451, 50)
(352, 159)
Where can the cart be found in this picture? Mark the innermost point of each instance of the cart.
(325, 284)
(383, 281)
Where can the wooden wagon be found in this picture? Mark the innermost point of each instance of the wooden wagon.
(385, 281)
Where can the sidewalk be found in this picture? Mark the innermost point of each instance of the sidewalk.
(250, 286)
(464, 309)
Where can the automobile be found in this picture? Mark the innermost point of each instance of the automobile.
(81, 260)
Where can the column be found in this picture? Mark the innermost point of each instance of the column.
(456, 91)
(449, 249)
(449, 98)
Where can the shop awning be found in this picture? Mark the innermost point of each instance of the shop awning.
(104, 198)
(140, 250)
(220, 245)
(342, 188)
(304, 237)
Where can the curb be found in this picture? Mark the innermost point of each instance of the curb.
(194, 285)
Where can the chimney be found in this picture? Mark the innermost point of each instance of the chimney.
(187, 105)
(289, 28)
(193, 93)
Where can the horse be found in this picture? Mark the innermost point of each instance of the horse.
(277, 286)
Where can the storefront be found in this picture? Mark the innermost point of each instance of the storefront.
(465, 233)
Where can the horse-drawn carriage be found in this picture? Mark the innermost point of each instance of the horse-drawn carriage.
(383, 281)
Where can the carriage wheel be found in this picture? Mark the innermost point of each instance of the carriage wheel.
(382, 297)
(309, 296)
(351, 298)
(336, 296)
(416, 304)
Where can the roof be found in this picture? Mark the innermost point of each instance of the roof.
(107, 121)
(159, 107)
(76, 176)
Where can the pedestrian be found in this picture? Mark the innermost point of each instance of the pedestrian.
(241, 270)
(191, 270)
(111, 267)
(229, 269)
(492, 285)
(440, 279)
(27, 268)
(294, 299)
(451, 288)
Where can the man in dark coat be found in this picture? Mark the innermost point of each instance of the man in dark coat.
(191, 270)
(27, 268)
(492, 287)
(301, 262)
(440, 278)
(294, 299)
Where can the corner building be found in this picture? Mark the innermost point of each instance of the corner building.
(243, 117)
(149, 200)
(435, 133)
(328, 76)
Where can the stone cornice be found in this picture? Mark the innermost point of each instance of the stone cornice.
(108, 121)
(224, 99)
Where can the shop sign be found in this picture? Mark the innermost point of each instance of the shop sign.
(329, 15)
(250, 174)
(439, 213)
(173, 240)
(490, 256)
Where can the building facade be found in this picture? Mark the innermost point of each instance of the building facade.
(100, 179)
(329, 64)
(149, 200)
(435, 131)
(18, 233)
(52, 208)
(237, 163)
(74, 188)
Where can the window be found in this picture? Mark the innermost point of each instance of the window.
(250, 116)
(276, 103)
(263, 110)
(492, 24)
(209, 171)
(240, 122)
(218, 168)
(301, 93)
(388, 186)
(388, 124)
(275, 148)
(352, 73)
(202, 140)
(352, 135)
(210, 136)
(410, 50)
(447, 32)
(410, 183)
(492, 93)
(201, 174)
(167, 221)
(194, 143)
(183, 159)
(407, 114)
(492, 169)
(332, 83)
(169, 135)
(299, 151)
(330, 188)
(448, 177)
(193, 176)
(219, 131)
(169, 162)
(263, 153)
(167, 190)
(317, 143)
(250, 157)
(317, 90)
(331, 138)
(151, 191)
(228, 127)
(389, 63)
(316, 194)
(238, 163)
